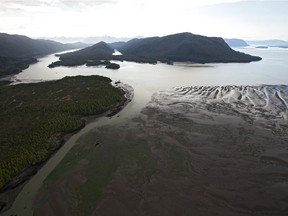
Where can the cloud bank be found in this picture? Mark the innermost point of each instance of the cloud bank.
(256, 19)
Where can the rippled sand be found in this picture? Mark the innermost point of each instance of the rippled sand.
(217, 150)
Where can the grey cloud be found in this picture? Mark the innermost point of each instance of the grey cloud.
(25, 2)
(73, 3)
(40, 3)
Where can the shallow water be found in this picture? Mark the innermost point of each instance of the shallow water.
(147, 79)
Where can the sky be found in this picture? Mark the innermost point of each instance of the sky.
(250, 20)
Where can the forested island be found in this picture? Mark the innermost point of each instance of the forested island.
(182, 47)
(96, 55)
(35, 118)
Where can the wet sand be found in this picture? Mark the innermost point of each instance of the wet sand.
(191, 151)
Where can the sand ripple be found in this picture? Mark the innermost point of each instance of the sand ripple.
(266, 104)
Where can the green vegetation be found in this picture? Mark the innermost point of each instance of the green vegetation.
(32, 114)
(67, 63)
(112, 66)
(96, 55)
(73, 62)
(10, 65)
(138, 59)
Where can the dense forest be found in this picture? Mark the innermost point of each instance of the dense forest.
(183, 47)
(10, 65)
(33, 114)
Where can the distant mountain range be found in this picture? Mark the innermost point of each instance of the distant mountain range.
(236, 42)
(269, 43)
(257, 43)
(22, 46)
(171, 48)
(233, 42)
(90, 40)
(18, 51)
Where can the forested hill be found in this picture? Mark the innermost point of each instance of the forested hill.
(22, 46)
(98, 51)
(91, 56)
(184, 47)
(18, 51)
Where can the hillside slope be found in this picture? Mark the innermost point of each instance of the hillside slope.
(18, 51)
(184, 47)
(100, 50)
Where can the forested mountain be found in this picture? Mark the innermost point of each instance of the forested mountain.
(96, 55)
(22, 46)
(184, 47)
(18, 51)
(100, 50)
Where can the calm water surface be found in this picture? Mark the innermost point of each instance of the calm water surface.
(271, 70)
(147, 79)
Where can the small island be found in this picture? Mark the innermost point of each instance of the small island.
(72, 63)
(96, 55)
(112, 66)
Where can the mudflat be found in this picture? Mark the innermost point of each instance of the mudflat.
(215, 150)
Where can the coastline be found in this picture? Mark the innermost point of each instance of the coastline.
(59, 140)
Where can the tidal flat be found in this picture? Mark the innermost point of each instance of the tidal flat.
(206, 150)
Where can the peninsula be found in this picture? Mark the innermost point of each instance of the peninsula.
(17, 52)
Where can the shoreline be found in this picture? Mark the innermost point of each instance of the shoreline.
(59, 140)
